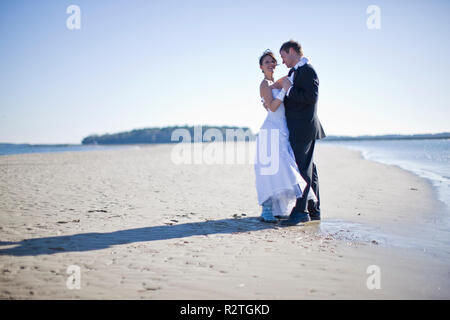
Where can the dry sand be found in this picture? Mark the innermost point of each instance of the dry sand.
(140, 227)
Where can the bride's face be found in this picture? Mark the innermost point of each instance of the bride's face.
(268, 65)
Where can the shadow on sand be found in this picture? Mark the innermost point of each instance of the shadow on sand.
(95, 241)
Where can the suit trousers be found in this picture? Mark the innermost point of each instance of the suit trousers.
(304, 155)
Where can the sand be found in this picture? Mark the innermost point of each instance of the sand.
(139, 226)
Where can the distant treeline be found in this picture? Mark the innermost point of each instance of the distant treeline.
(164, 135)
(444, 135)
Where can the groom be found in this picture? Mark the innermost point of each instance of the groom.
(301, 90)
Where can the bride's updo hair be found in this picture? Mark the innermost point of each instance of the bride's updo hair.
(265, 54)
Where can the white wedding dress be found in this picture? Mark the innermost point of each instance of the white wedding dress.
(277, 180)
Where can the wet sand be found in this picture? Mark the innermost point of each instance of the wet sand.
(141, 227)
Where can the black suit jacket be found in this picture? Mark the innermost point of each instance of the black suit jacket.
(301, 106)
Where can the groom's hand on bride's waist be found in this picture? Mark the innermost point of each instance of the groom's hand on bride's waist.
(264, 104)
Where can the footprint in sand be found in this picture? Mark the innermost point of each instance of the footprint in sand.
(150, 287)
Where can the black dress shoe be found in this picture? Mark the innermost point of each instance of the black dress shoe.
(295, 218)
(314, 213)
(314, 216)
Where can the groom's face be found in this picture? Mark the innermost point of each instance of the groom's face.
(287, 57)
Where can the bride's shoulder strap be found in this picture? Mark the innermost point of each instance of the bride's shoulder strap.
(266, 84)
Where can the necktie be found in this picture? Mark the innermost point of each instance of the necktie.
(290, 71)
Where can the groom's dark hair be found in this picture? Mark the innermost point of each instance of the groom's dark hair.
(294, 45)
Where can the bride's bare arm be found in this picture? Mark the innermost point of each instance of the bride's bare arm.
(266, 94)
(279, 83)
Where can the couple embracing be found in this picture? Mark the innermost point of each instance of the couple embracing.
(292, 191)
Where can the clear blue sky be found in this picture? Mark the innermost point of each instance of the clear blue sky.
(136, 64)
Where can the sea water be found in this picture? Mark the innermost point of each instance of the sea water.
(9, 148)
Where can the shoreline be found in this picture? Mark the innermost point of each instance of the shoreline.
(427, 180)
(140, 227)
(434, 175)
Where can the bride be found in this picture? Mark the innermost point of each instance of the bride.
(277, 191)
